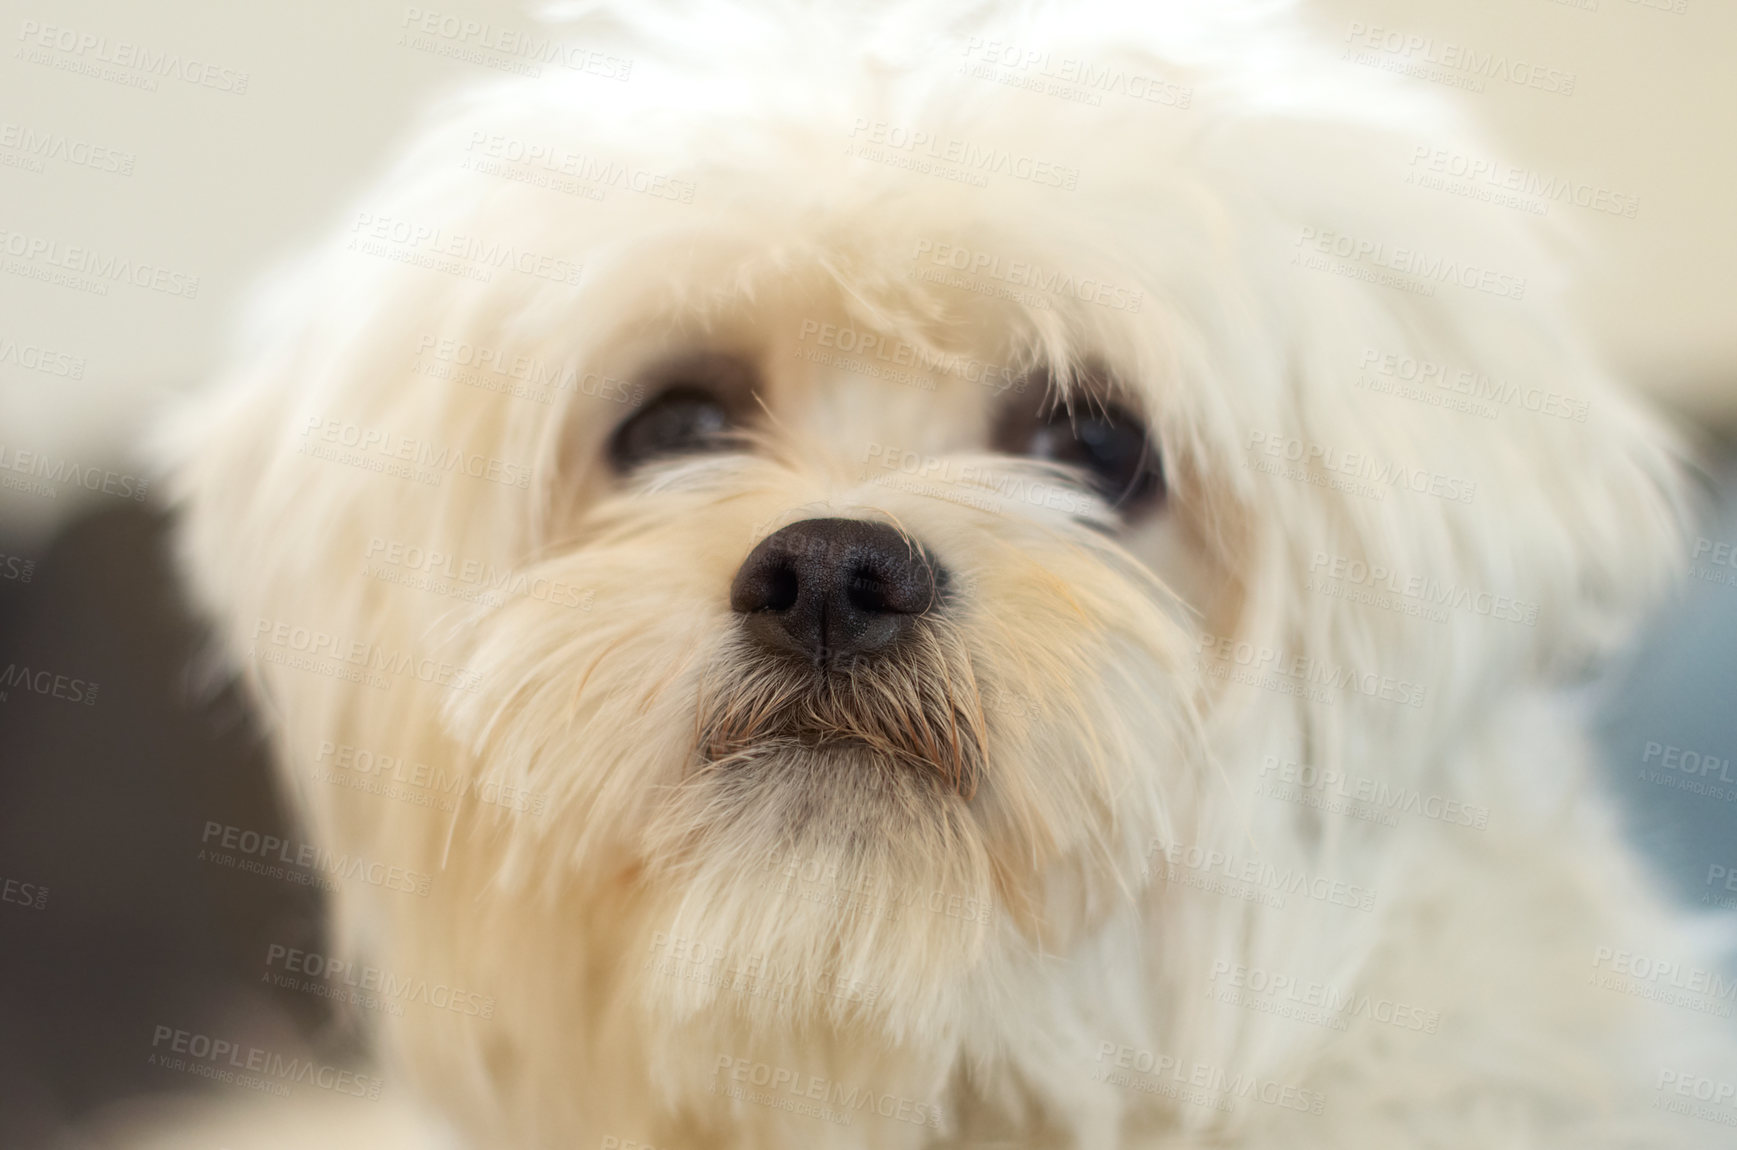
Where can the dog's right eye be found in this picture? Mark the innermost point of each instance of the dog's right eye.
(679, 421)
(1105, 441)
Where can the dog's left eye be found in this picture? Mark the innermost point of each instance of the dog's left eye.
(1107, 442)
(679, 421)
(696, 404)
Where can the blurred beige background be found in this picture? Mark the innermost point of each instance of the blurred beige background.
(219, 179)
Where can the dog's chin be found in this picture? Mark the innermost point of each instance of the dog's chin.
(819, 879)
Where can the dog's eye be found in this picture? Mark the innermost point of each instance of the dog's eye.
(697, 401)
(676, 422)
(1105, 441)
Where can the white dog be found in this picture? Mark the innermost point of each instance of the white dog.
(954, 575)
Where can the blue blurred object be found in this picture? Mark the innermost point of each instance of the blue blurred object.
(1668, 728)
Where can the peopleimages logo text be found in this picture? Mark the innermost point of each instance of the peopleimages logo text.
(254, 845)
(1027, 274)
(240, 1056)
(1422, 266)
(102, 267)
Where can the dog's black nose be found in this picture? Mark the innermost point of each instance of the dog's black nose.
(830, 589)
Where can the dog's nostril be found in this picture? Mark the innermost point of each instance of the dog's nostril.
(781, 589)
(828, 589)
(866, 592)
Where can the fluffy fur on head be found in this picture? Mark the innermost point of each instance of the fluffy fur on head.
(982, 892)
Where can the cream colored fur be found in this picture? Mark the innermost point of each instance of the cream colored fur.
(1034, 942)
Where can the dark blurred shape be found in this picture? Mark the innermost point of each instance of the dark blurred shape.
(104, 805)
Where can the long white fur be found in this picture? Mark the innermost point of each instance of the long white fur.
(1130, 740)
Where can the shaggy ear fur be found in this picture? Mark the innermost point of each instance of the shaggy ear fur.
(1464, 440)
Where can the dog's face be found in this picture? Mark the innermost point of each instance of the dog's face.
(870, 554)
(882, 670)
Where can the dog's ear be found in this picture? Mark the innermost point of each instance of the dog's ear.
(1474, 451)
(1444, 485)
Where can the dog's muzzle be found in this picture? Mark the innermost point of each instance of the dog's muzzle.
(829, 591)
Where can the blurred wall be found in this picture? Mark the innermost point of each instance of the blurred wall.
(210, 175)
